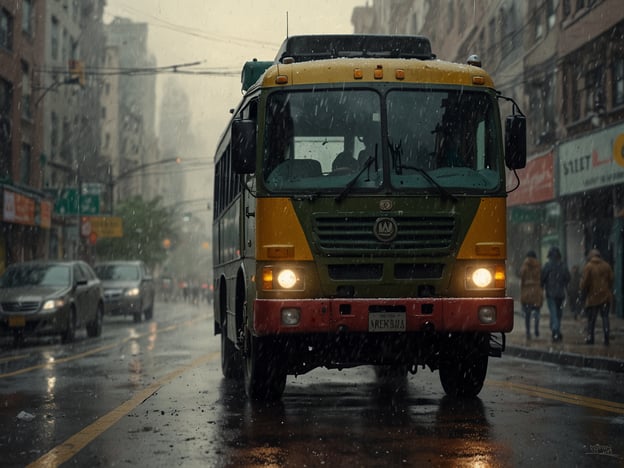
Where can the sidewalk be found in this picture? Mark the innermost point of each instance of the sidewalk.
(572, 350)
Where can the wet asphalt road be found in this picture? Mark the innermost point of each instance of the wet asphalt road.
(151, 394)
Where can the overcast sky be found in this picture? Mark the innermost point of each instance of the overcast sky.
(223, 34)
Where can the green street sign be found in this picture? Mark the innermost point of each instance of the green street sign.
(89, 204)
(67, 202)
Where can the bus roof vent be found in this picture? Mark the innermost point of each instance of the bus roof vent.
(321, 47)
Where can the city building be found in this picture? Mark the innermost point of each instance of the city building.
(26, 210)
(69, 96)
(136, 107)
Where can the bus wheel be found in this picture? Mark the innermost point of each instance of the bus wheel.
(463, 370)
(231, 360)
(265, 374)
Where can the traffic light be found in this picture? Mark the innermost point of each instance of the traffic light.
(76, 71)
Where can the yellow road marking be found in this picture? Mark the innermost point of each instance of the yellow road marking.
(95, 350)
(571, 398)
(68, 449)
(13, 358)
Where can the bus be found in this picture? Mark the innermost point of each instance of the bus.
(360, 215)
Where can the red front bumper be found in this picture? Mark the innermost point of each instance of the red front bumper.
(351, 315)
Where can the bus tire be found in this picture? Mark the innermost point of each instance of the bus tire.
(231, 359)
(463, 369)
(265, 374)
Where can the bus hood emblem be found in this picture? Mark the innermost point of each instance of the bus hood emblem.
(385, 229)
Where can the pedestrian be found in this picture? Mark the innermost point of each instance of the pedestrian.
(597, 285)
(531, 293)
(554, 279)
(575, 298)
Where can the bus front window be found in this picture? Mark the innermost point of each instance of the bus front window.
(319, 139)
(452, 135)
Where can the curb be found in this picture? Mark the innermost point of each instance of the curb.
(565, 358)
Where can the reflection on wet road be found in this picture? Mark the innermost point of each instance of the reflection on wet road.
(153, 394)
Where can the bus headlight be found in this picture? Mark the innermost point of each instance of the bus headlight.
(486, 277)
(482, 277)
(287, 279)
(274, 278)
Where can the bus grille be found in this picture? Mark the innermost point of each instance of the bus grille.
(349, 235)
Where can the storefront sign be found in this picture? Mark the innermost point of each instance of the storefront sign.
(18, 209)
(591, 162)
(536, 182)
(102, 226)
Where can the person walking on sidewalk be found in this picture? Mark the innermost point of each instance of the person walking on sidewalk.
(531, 294)
(554, 279)
(597, 284)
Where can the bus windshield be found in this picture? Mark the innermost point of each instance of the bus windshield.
(319, 140)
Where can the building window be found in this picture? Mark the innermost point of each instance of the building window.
(551, 14)
(54, 135)
(574, 99)
(6, 29)
(25, 158)
(618, 81)
(538, 26)
(27, 16)
(26, 92)
(6, 96)
(65, 47)
(75, 10)
(54, 38)
(567, 9)
(594, 91)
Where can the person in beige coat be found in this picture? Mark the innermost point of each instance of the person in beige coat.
(597, 287)
(531, 293)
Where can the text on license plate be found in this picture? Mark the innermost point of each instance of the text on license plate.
(17, 321)
(386, 321)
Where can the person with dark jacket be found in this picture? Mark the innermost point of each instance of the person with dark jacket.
(597, 286)
(554, 279)
(531, 294)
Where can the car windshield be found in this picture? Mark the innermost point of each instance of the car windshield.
(117, 272)
(36, 275)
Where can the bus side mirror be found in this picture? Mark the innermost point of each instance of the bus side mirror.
(515, 141)
(244, 146)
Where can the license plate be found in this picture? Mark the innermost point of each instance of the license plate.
(17, 321)
(386, 321)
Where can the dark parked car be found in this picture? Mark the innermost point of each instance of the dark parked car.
(128, 288)
(49, 298)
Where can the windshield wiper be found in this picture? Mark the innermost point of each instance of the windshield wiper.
(445, 193)
(397, 152)
(351, 183)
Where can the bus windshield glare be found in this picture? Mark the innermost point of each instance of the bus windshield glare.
(319, 140)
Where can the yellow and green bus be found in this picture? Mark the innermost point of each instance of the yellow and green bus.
(359, 215)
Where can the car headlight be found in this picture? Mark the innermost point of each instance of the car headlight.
(490, 277)
(281, 278)
(52, 304)
(132, 292)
